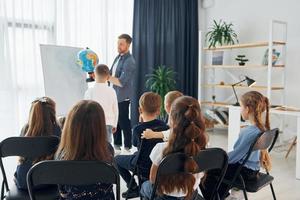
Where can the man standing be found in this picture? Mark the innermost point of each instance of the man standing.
(122, 73)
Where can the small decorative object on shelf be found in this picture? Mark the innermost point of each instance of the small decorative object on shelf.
(214, 98)
(242, 59)
(275, 56)
(217, 58)
(222, 83)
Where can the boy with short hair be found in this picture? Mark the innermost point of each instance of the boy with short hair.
(106, 97)
(170, 97)
(149, 108)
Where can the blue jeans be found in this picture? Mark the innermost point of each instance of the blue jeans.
(109, 133)
(146, 191)
(124, 165)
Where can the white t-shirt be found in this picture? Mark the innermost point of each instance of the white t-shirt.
(166, 135)
(114, 67)
(157, 155)
(107, 98)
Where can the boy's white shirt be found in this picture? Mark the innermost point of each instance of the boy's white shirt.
(107, 98)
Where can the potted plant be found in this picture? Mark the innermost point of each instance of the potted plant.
(220, 33)
(242, 60)
(161, 81)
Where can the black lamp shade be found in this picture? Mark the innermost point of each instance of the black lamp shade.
(250, 81)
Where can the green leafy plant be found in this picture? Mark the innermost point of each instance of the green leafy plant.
(161, 81)
(242, 60)
(222, 34)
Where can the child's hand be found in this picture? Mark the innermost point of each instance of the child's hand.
(114, 129)
(148, 134)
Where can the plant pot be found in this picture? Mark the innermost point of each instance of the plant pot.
(242, 64)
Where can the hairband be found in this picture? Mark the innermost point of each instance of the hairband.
(42, 100)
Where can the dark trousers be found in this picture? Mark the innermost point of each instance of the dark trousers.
(124, 166)
(212, 176)
(123, 125)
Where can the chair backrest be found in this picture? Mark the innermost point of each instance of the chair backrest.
(210, 159)
(28, 147)
(75, 173)
(265, 140)
(174, 163)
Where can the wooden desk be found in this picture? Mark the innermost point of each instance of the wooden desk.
(235, 123)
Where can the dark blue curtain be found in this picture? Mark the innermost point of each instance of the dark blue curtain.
(165, 32)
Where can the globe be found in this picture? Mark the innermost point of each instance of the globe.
(87, 59)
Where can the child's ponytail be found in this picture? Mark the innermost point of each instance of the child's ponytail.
(192, 133)
(267, 122)
(188, 136)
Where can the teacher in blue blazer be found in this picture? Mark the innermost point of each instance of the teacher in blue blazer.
(122, 73)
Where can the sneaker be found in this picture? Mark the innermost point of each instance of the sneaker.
(131, 193)
(117, 152)
(117, 147)
(127, 149)
(236, 195)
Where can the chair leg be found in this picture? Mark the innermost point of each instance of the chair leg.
(139, 184)
(291, 147)
(130, 183)
(273, 193)
(244, 187)
(245, 194)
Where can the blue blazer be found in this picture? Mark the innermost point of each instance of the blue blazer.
(125, 73)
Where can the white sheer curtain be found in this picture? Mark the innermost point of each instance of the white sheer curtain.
(24, 24)
(95, 24)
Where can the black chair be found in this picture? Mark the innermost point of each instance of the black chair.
(75, 173)
(266, 140)
(143, 165)
(30, 148)
(208, 159)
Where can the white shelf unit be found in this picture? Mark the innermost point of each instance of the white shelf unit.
(229, 69)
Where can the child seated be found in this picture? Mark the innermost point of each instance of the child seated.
(253, 105)
(170, 97)
(84, 138)
(187, 136)
(42, 122)
(106, 97)
(149, 108)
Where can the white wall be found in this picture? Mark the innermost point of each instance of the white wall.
(251, 22)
